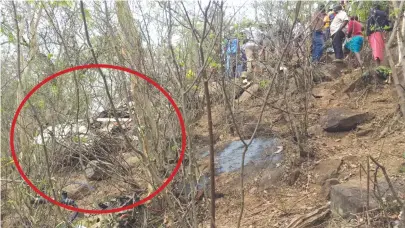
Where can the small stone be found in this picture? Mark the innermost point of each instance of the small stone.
(253, 190)
(294, 177)
(364, 132)
(315, 130)
(322, 92)
(131, 159)
(77, 190)
(95, 171)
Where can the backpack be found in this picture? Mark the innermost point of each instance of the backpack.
(381, 20)
(331, 16)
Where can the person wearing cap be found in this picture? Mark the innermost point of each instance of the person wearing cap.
(339, 22)
(317, 33)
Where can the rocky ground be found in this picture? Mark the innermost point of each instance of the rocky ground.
(350, 119)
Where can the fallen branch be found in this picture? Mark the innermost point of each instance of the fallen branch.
(312, 218)
(388, 127)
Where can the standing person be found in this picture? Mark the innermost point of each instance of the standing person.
(252, 47)
(326, 27)
(339, 22)
(355, 44)
(375, 27)
(317, 34)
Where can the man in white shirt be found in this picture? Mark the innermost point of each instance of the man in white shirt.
(336, 30)
(252, 46)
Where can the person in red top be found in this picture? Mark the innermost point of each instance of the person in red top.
(354, 31)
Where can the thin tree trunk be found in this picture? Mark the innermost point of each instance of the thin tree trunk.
(212, 155)
(400, 90)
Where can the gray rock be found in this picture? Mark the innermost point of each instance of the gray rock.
(249, 92)
(95, 170)
(294, 177)
(78, 190)
(364, 132)
(341, 119)
(349, 198)
(131, 160)
(315, 130)
(322, 92)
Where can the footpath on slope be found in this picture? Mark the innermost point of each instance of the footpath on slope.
(347, 123)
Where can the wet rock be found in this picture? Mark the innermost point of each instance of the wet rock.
(341, 119)
(95, 170)
(322, 92)
(325, 192)
(349, 198)
(252, 90)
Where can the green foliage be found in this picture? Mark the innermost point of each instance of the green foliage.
(6, 161)
(174, 148)
(82, 76)
(82, 139)
(62, 4)
(190, 74)
(264, 83)
(7, 33)
(213, 64)
(40, 104)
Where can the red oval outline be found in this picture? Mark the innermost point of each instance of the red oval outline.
(106, 66)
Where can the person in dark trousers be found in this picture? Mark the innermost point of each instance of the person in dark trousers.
(317, 34)
(339, 22)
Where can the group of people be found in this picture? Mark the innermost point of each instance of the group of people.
(346, 33)
(240, 57)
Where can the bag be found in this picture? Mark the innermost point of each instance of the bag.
(381, 21)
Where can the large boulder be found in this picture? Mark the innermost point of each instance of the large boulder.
(341, 119)
(131, 160)
(350, 198)
(96, 170)
(251, 91)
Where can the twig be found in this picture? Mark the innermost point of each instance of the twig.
(388, 181)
